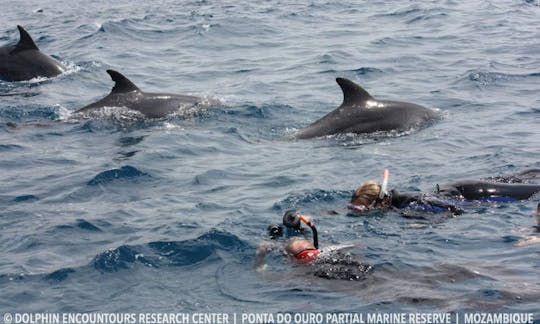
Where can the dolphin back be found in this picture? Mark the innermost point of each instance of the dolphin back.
(25, 61)
(361, 113)
(152, 105)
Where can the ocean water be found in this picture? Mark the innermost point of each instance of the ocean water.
(115, 214)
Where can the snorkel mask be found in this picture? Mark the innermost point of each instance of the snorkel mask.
(291, 219)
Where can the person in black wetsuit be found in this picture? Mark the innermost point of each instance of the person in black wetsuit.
(537, 227)
(535, 238)
(328, 263)
(371, 195)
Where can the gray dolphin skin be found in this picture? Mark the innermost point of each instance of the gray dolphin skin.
(361, 113)
(25, 61)
(152, 105)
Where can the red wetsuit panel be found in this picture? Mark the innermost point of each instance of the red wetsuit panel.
(307, 255)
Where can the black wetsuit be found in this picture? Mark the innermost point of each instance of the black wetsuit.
(421, 202)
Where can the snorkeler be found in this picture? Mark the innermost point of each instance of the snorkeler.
(537, 226)
(371, 195)
(330, 264)
(532, 239)
(300, 249)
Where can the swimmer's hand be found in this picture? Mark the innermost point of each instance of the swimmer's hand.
(262, 249)
(528, 241)
(357, 208)
(261, 268)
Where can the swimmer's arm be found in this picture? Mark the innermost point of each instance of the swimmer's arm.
(260, 255)
(405, 199)
(451, 208)
(528, 241)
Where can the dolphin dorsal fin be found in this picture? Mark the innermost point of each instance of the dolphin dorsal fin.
(26, 42)
(352, 92)
(122, 84)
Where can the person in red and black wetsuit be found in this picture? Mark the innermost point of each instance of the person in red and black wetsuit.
(301, 249)
(332, 264)
(297, 248)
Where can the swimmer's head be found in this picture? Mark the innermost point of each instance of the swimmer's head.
(366, 194)
(298, 245)
(291, 219)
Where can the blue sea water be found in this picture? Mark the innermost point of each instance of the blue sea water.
(117, 215)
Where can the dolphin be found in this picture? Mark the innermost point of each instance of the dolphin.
(151, 105)
(477, 190)
(25, 61)
(361, 113)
